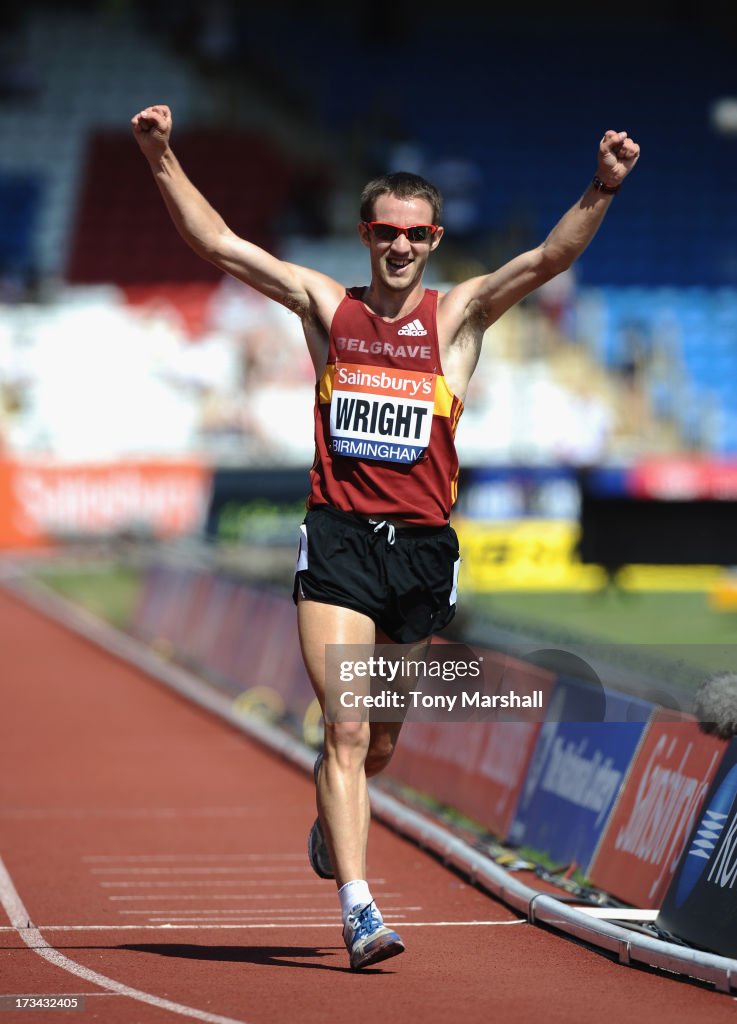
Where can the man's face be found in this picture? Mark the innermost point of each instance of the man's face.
(399, 264)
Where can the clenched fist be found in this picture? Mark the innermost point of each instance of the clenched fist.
(618, 154)
(152, 129)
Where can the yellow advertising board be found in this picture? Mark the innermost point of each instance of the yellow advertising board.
(542, 554)
(524, 554)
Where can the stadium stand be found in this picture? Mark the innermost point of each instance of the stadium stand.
(654, 305)
(122, 232)
(19, 198)
(90, 69)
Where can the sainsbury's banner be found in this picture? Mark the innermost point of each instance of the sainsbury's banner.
(701, 903)
(41, 501)
(666, 478)
(576, 771)
(656, 810)
(676, 478)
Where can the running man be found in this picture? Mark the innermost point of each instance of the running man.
(378, 559)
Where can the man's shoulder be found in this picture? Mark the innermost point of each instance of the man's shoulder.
(323, 295)
(455, 300)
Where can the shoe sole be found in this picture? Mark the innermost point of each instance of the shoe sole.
(310, 854)
(392, 947)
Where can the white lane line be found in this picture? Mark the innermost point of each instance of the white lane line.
(235, 897)
(32, 937)
(618, 913)
(249, 869)
(310, 921)
(373, 882)
(276, 911)
(162, 857)
(249, 911)
(246, 919)
(236, 927)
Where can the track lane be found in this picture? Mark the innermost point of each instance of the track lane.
(121, 804)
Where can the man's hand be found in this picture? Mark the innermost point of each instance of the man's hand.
(618, 154)
(152, 129)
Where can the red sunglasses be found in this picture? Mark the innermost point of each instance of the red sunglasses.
(388, 232)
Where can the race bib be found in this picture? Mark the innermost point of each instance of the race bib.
(379, 413)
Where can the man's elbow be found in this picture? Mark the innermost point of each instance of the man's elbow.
(211, 247)
(554, 261)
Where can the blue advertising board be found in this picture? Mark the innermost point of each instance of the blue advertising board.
(577, 769)
(700, 905)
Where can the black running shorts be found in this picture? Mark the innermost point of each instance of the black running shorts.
(404, 579)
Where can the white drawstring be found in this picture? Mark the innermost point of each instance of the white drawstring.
(390, 530)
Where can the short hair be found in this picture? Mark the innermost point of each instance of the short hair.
(403, 185)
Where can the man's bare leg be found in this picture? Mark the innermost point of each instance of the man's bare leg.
(342, 794)
(353, 751)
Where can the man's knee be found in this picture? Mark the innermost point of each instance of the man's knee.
(348, 742)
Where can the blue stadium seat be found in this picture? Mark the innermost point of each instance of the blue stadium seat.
(19, 198)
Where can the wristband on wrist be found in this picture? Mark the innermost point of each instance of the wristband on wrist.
(601, 187)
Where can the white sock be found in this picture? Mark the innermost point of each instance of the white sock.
(353, 894)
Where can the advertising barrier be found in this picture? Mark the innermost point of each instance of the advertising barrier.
(701, 903)
(656, 810)
(576, 771)
(41, 501)
(244, 639)
(477, 767)
(669, 510)
(524, 554)
(262, 505)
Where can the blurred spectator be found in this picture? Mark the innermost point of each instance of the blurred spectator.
(584, 426)
(632, 367)
(260, 419)
(557, 300)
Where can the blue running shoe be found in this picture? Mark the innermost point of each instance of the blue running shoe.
(367, 938)
(317, 848)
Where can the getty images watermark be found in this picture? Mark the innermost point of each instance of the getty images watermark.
(586, 683)
(436, 682)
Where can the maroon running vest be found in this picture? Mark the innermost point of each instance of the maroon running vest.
(385, 419)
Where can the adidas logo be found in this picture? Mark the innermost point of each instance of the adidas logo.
(413, 329)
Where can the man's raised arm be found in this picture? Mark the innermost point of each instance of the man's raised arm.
(489, 296)
(205, 231)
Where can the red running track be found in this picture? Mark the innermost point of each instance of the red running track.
(159, 855)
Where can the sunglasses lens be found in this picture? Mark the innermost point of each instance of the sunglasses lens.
(384, 232)
(418, 234)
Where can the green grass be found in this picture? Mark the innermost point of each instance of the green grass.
(109, 591)
(620, 617)
(673, 633)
